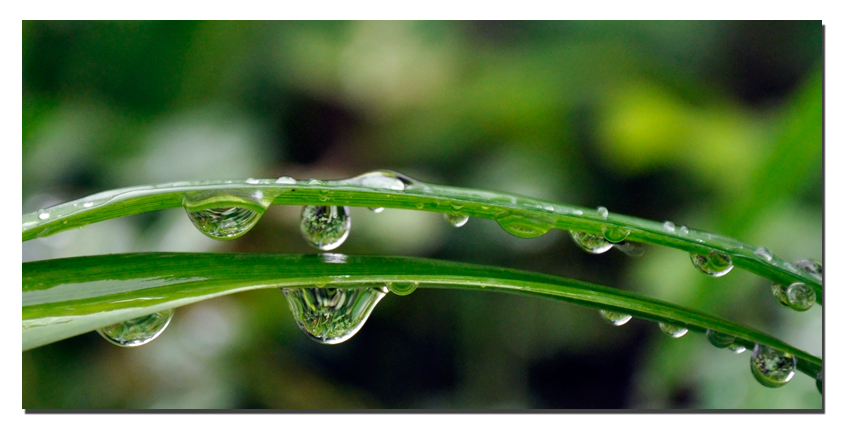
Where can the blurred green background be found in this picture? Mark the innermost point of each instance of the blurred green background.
(712, 125)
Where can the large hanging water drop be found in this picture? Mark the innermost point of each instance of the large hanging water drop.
(772, 368)
(225, 216)
(594, 244)
(615, 318)
(457, 220)
(325, 227)
(137, 331)
(524, 227)
(811, 267)
(332, 315)
(402, 288)
(715, 264)
(796, 296)
(672, 331)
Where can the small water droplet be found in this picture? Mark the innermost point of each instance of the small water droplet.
(764, 254)
(224, 223)
(137, 331)
(456, 206)
(402, 288)
(796, 296)
(722, 340)
(332, 315)
(457, 220)
(615, 318)
(524, 227)
(672, 330)
(811, 267)
(594, 244)
(252, 181)
(43, 215)
(420, 205)
(285, 180)
(736, 348)
(88, 204)
(669, 226)
(819, 381)
(715, 264)
(603, 212)
(614, 234)
(325, 227)
(386, 179)
(376, 210)
(683, 229)
(772, 368)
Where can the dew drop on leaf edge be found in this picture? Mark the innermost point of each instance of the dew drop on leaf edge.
(456, 220)
(796, 296)
(325, 227)
(224, 223)
(332, 315)
(592, 243)
(772, 368)
(715, 264)
(615, 318)
(137, 331)
(672, 331)
(402, 288)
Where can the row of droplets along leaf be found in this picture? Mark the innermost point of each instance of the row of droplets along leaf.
(237, 210)
(333, 315)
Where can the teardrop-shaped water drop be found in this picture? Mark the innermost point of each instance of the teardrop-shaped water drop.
(376, 210)
(325, 227)
(603, 212)
(137, 331)
(594, 244)
(523, 227)
(332, 315)
(457, 220)
(772, 368)
(615, 318)
(224, 223)
(402, 288)
(811, 267)
(715, 264)
(684, 230)
(796, 296)
(764, 254)
(669, 226)
(672, 330)
(614, 234)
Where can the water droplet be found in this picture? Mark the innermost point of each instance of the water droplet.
(252, 181)
(137, 331)
(88, 204)
(456, 206)
(614, 234)
(523, 227)
(819, 381)
(420, 205)
(224, 223)
(386, 179)
(772, 368)
(285, 180)
(332, 315)
(684, 229)
(715, 264)
(402, 288)
(672, 330)
(591, 243)
(764, 254)
(325, 227)
(811, 267)
(457, 220)
(603, 212)
(376, 210)
(43, 215)
(722, 340)
(796, 296)
(669, 226)
(615, 318)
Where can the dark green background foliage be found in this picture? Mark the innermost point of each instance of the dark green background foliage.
(713, 125)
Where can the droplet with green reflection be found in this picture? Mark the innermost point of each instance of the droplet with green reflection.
(771, 367)
(137, 331)
(332, 315)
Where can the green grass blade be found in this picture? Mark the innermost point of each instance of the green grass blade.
(71, 296)
(416, 196)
